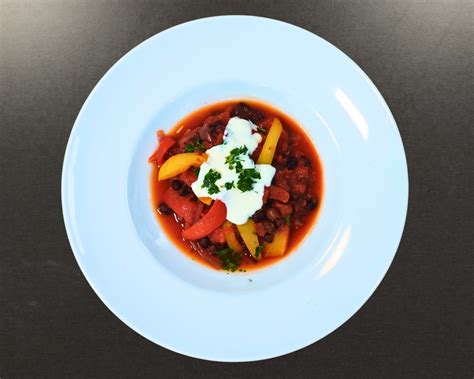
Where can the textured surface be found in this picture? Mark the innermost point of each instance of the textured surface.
(417, 323)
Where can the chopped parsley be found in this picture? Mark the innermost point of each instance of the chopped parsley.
(229, 185)
(210, 180)
(247, 178)
(234, 159)
(287, 219)
(191, 147)
(258, 251)
(197, 170)
(262, 130)
(230, 260)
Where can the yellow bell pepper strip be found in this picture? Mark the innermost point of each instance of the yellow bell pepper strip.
(231, 238)
(206, 200)
(179, 163)
(269, 147)
(248, 234)
(280, 241)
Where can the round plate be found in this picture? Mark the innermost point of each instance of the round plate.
(187, 307)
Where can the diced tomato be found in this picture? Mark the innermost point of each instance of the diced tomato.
(217, 236)
(285, 209)
(281, 179)
(181, 205)
(280, 194)
(208, 223)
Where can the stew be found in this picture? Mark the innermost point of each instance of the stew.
(236, 185)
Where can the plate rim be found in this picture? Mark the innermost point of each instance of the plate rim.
(67, 218)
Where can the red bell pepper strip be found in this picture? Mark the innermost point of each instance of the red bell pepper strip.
(181, 205)
(210, 222)
(162, 149)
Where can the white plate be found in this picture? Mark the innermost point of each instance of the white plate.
(157, 290)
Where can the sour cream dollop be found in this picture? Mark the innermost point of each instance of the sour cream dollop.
(240, 204)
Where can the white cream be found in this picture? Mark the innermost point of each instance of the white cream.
(240, 205)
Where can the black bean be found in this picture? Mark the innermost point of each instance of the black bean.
(176, 184)
(259, 216)
(185, 191)
(291, 163)
(279, 222)
(312, 204)
(164, 209)
(269, 238)
(204, 242)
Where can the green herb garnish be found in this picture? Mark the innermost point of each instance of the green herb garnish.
(234, 159)
(262, 130)
(287, 219)
(197, 170)
(247, 178)
(210, 180)
(191, 147)
(229, 185)
(258, 251)
(230, 260)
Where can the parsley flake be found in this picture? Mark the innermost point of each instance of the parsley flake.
(230, 260)
(229, 185)
(210, 180)
(287, 219)
(192, 147)
(258, 251)
(234, 159)
(247, 178)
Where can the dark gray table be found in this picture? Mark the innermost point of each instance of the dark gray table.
(419, 320)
